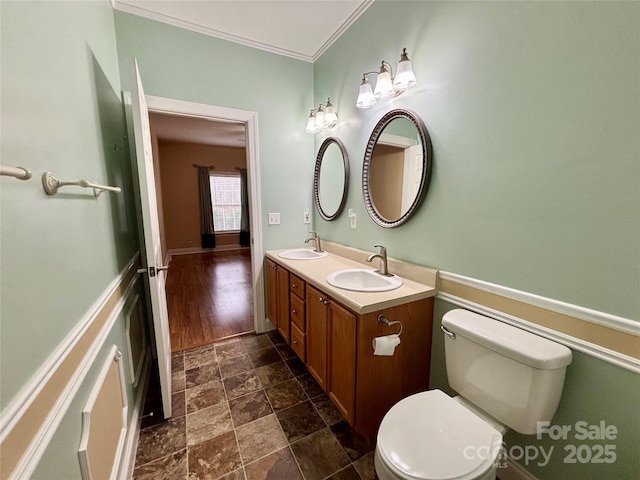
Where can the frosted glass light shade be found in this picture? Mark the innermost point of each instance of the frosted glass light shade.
(311, 123)
(405, 78)
(330, 115)
(384, 86)
(320, 118)
(366, 98)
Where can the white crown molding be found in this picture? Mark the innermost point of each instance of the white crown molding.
(347, 23)
(212, 32)
(194, 27)
(593, 316)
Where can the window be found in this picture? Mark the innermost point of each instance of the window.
(225, 199)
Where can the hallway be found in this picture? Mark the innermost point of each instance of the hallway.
(209, 297)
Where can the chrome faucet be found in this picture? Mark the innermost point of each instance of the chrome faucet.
(317, 247)
(384, 269)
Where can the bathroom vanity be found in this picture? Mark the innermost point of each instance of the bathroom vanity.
(332, 329)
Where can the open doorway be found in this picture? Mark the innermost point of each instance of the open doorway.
(213, 291)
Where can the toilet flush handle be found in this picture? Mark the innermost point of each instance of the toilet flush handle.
(448, 333)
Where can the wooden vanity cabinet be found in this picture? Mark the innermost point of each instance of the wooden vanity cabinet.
(297, 314)
(278, 298)
(317, 334)
(336, 346)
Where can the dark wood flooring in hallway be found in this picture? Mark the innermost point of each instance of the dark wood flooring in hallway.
(209, 297)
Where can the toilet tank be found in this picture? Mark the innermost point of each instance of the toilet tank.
(511, 374)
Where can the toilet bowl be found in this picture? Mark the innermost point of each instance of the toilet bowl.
(430, 435)
(506, 378)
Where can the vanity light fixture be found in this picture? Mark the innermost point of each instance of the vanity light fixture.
(386, 84)
(325, 116)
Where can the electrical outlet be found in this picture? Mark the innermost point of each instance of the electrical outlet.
(307, 217)
(274, 219)
(352, 218)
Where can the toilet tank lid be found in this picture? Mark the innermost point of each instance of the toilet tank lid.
(508, 340)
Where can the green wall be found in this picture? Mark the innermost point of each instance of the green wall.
(180, 64)
(61, 112)
(533, 109)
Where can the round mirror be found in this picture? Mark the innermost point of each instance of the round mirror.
(397, 168)
(331, 178)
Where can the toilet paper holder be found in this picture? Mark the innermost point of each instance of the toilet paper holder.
(385, 320)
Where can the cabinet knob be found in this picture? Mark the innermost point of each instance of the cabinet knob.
(295, 342)
(295, 310)
(293, 285)
(273, 267)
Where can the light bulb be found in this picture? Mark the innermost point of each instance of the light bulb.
(311, 123)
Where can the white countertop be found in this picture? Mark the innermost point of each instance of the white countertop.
(315, 272)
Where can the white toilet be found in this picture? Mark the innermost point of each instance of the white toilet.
(506, 378)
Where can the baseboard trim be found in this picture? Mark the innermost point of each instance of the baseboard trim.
(28, 452)
(190, 251)
(131, 442)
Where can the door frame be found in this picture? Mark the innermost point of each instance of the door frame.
(170, 106)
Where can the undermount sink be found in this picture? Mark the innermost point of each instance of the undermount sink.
(302, 254)
(363, 280)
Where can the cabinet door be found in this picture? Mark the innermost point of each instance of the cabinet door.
(283, 303)
(272, 292)
(342, 360)
(316, 335)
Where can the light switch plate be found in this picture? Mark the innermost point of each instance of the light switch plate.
(274, 219)
(307, 216)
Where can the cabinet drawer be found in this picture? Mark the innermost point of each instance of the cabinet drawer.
(298, 342)
(296, 285)
(297, 312)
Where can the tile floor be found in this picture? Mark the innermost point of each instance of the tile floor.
(247, 409)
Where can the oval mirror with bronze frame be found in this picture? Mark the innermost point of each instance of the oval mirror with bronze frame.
(331, 178)
(397, 168)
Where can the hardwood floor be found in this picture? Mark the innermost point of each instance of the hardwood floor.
(209, 297)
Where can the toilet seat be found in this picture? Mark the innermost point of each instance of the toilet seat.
(431, 436)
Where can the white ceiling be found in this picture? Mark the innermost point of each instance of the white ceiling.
(172, 128)
(301, 29)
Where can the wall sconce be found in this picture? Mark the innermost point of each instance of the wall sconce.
(325, 116)
(387, 85)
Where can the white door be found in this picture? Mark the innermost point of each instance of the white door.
(156, 272)
(412, 175)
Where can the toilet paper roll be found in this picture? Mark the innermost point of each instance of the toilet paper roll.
(385, 345)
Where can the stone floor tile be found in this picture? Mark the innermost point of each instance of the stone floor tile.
(259, 438)
(280, 465)
(208, 423)
(299, 421)
(161, 440)
(230, 350)
(257, 342)
(202, 374)
(233, 366)
(199, 356)
(273, 374)
(353, 443)
(242, 384)
(348, 473)
(214, 458)
(365, 467)
(204, 396)
(326, 409)
(309, 385)
(265, 356)
(250, 407)
(319, 455)
(170, 467)
(285, 394)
